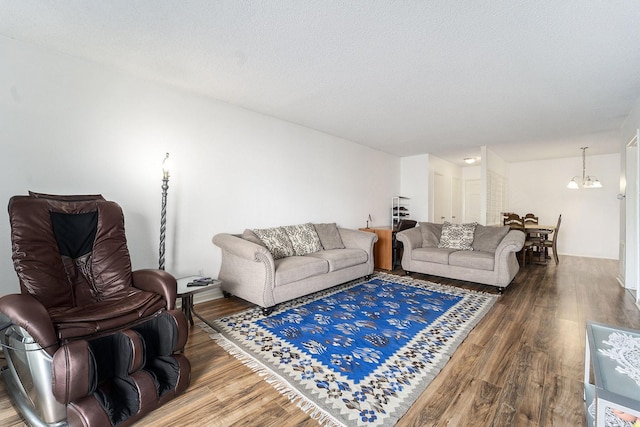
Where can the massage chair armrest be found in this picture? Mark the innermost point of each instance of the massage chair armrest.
(158, 281)
(25, 311)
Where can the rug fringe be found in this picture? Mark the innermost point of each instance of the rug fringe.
(277, 382)
(408, 279)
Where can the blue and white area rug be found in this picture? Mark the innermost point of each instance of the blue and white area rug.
(358, 354)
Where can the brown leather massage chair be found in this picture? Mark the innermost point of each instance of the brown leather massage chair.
(88, 341)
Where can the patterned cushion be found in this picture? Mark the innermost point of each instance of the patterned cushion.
(304, 238)
(276, 241)
(329, 236)
(457, 236)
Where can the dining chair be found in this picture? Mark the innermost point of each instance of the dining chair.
(553, 242)
(531, 219)
(513, 219)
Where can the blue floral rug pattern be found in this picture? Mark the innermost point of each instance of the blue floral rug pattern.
(360, 353)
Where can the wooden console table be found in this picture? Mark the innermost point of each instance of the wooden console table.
(383, 248)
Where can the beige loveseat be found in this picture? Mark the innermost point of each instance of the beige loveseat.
(489, 259)
(270, 266)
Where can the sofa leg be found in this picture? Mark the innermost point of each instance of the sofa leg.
(226, 294)
(268, 310)
(407, 273)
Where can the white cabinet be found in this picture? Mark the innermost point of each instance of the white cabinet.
(612, 393)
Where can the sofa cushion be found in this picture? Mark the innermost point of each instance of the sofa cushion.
(294, 268)
(252, 237)
(430, 234)
(487, 239)
(304, 238)
(475, 260)
(341, 258)
(439, 256)
(276, 241)
(329, 236)
(457, 236)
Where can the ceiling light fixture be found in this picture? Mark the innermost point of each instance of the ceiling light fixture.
(469, 160)
(587, 181)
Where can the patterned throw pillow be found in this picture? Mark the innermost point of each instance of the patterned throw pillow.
(276, 241)
(304, 238)
(457, 236)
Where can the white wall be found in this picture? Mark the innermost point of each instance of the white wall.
(69, 126)
(590, 217)
(436, 164)
(414, 183)
(495, 163)
(471, 172)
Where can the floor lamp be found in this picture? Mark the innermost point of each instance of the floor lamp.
(163, 211)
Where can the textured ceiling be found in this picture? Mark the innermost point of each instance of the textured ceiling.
(529, 79)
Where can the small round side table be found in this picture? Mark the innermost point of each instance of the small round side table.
(187, 292)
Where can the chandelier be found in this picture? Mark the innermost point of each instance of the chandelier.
(587, 181)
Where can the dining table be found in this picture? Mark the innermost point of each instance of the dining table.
(542, 232)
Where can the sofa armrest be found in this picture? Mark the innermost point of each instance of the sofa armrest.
(240, 247)
(247, 270)
(356, 239)
(512, 242)
(27, 312)
(410, 238)
(505, 262)
(158, 281)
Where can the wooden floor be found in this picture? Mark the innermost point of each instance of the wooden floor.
(521, 366)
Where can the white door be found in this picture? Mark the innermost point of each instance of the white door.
(441, 199)
(472, 200)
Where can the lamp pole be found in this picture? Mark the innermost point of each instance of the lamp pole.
(163, 211)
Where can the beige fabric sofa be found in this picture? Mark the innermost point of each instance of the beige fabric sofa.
(492, 260)
(250, 270)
